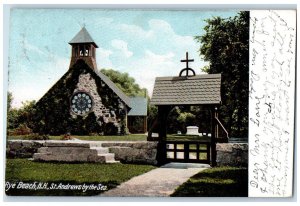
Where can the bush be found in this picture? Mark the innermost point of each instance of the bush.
(67, 137)
(110, 129)
(22, 129)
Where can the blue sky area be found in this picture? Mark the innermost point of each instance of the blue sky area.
(144, 43)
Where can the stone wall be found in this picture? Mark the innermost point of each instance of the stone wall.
(23, 148)
(228, 154)
(134, 152)
(140, 152)
(232, 154)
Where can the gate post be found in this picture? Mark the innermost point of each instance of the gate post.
(163, 112)
(213, 137)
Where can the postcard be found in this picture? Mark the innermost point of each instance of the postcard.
(150, 102)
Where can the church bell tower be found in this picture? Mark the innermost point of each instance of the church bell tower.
(83, 47)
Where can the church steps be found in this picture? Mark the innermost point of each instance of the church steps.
(74, 152)
(108, 156)
(100, 150)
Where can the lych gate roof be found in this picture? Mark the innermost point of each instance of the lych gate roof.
(83, 36)
(187, 90)
(138, 106)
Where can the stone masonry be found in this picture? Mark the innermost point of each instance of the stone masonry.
(134, 152)
(73, 152)
(232, 154)
(84, 151)
(87, 83)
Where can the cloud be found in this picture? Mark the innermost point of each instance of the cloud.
(103, 58)
(160, 50)
(135, 31)
(121, 46)
(30, 80)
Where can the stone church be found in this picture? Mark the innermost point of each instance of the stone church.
(84, 101)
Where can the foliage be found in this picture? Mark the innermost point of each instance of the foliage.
(186, 117)
(225, 46)
(136, 124)
(216, 182)
(182, 116)
(20, 120)
(22, 129)
(109, 175)
(152, 115)
(67, 137)
(124, 82)
(9, 101)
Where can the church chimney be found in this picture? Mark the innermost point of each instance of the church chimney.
(83, 47)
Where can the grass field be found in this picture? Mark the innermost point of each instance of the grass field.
(131, 137)
(216, 182)
(109, 175)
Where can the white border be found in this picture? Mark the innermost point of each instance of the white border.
(213, 4)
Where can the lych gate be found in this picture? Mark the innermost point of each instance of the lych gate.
(190, 90)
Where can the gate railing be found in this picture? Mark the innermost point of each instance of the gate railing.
(187, 151)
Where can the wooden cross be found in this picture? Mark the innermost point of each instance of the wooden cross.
(187, 60)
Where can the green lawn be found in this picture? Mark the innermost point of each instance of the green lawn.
(216, 182)
(131, 137)
(176, 137)
(109, 175)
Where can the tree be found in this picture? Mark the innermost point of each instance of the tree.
(19, 120)
(9, 101)
(225, 45)
(12, 114)
(124, 82)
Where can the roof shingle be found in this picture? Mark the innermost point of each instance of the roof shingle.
(191, 90)
(138, 106)
(83, 36)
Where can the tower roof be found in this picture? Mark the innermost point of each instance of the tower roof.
(83, 36)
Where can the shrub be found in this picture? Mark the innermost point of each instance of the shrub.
(22, 129)
(67, 137)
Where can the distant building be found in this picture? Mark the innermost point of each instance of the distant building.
(85, 101)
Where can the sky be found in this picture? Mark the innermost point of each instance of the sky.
(144, 43)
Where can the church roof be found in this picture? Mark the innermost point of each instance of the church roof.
(138, 106)
(115, 89)
(191, 90)
(83, 36)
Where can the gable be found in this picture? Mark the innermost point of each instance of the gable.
(81, 67)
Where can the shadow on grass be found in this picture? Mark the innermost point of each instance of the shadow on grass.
(216, 182)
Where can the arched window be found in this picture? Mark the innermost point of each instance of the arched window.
(81, 50)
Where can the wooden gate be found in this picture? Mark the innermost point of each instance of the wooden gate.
(187, 151)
